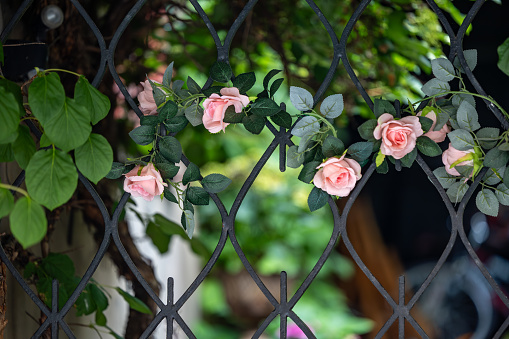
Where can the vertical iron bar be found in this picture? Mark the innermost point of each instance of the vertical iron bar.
(169, 301)
(283, 302)
(401, 306)
(54, 309)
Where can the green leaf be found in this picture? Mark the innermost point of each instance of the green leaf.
(492, 178)
(45, 141)
(116, 171)
(264, 107)
(23, 147)
(502, 194)
(167, 111)
(409, 158)
(244, 81)
(10, 117)
(458, 99)
(294, 159)
(215, 183)
(269, 76)
(194, 113)
(383, 106)
(28, 222)
(332, 146)
(221, 72)
(59, 266)
(503, 57)
(2, 57)
(150, 120)
(435, 86)
(160, 239)
(470, 57)
(360, 151)
(197, 196)
(94, 158)
(187, 220)
(193, 86)
(211, 90)
(496, 158)
(443, 69)
(425, 123)
(445, 179)
(143, 135)
(46, 97)
(461, 139)
(168, 195)
(191, 174)
(275, 86)
(176, 124)
(487, 202)
(168, 74)
(6, 202)
(51, 177)
(306, 126)
(97, 104)
(488, 137)
(301, 99)
(317, 199)
(157, 93)
(282, 119)
(366, 129)
(100, 318)
(467, 117)
(134, 303)
(428, 147)
(170, 148)
(308, 171)
(254, 123)
(332, 106)
(456, 191)
(506, 176)
(70, 127)
(167, 170)
(232, 117)
(6, 153)
(99, 297)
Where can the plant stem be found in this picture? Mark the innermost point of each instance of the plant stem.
(61, 70)
(15, 188)
(323, 119)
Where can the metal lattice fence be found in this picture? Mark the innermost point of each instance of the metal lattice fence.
(169, 309)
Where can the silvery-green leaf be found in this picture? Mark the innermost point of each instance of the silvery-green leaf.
(307, 125)
(445, 179)
(442, 69)
(461, 140)
(294, 159)
(187, 221)
(467, 117)
(491, 178)
(442, 119)
(503, 56)
(470, 57)
(304, 142)
(456, 191)
(435, 86)
(465, 171)
(502, 194)
(457, 99)
(496, 158)
(194, 113)
(504, 146)
(168, 73)
(487, 202)
(301, 98)
(332, 106)
(488, 137)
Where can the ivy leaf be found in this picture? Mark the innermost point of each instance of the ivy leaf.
(487, 202)
(360, 151)
(176, 124)
(244, 81)
(253, 123)
(221, 72)
(170, 148)
(445, 179)
(193, 86)
(215, 183)
(46, 96)
(269, 76)
(232, 117)
(94, 157)
(317, 199)
(383, 106)
(143, 135)
(282, 119)
(97, 104)
(134, 303)
(308, 171)
(51, 177)
(294, 159)
(28, 222)
(332, 146)
(275, 86)
(502, 194)
(456, 191)
(10, 117)
(191, 174)
(168, 74)
(366, 129)
(428, 147)
(6, 202)
(197, 196)
(306, 126)
(194, 113)
(301, 99)
(435, 86)
(461, 139)
(442, 69)
(496, 158)
(187, 220)
(467, 117)
(332, 106)
(488, 137)
(264, 107)
(23, 147)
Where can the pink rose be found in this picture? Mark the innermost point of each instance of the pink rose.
(338, 176)
(147, 184)
(436, 136)
(215, 107)
(146, 98)
(398, 136)
(451, 155)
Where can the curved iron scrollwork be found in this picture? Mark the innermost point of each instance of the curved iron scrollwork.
(169, 310)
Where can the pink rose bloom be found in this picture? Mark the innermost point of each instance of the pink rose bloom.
(436, 136)
(451, 155)
(147, 184)
(338, 176)
(215, 107)
(398, 136)
(146, 98)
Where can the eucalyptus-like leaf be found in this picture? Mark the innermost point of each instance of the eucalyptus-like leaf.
(488, 137)
(307, 125)
(487, 202)
(442, 119)
(435, 86)
(157, 93)
(443, 69)
(494, 176)
(301, 99)
(317, 199)
(470, 57)
(467, 117)
(445, 179)
(94, 157)
(28, 222)
(456, 191)
(294, 159)
(458, 99)
(187, 220)
(461, 139)
(504, 146)
(496, 158)
(332, 106)
(168, 74)
(502, 194)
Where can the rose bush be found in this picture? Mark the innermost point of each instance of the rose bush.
(451, 156)
(338, 176)
(436, 136)
(398, 136)
(146, 98)
(145, 182)
(215, 107)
